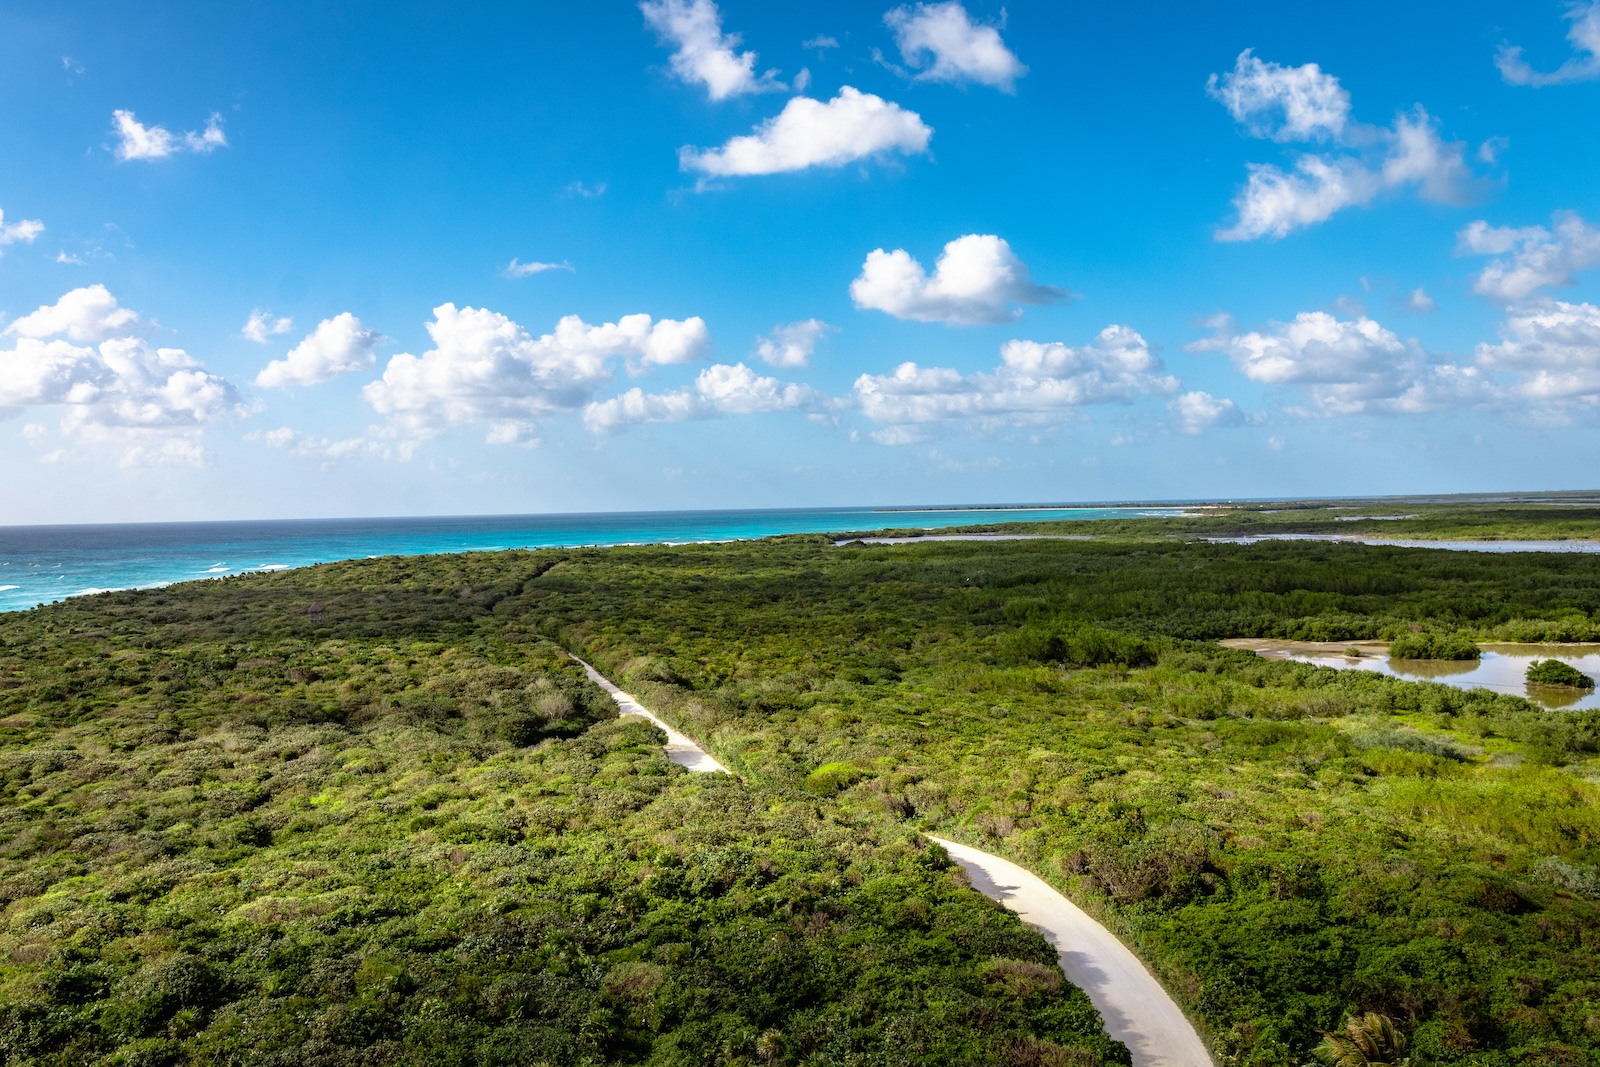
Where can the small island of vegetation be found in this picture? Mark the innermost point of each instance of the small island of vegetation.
(1428, 645)
(1554, 673)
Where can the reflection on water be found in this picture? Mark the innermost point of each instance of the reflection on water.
(1434, 670)
(1502, 668)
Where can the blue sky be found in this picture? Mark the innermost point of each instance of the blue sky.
(1358, 258)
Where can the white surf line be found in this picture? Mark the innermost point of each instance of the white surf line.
(680, 750)
(1136, 1010)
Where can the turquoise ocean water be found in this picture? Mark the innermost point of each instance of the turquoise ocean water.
(40, 564)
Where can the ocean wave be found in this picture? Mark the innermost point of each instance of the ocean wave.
(5, 588)
(274, 567)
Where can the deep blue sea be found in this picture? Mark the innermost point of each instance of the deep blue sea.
(40, 564)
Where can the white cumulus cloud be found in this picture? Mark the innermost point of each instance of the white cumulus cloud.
(809, 133)
(1035, 383)
(138, 141)
(338, 345)
(1410, 154)
(793, 344)
(943, 43)
(1199, 411)
(1553, 348)
(705, 55)
(152, 404)
(23, 230)
(718, 390)
(1283, 103)
(87, 314)
(1538, 257)
(1585, 37)
(977, 279)
(485, 368)
(1290, 104)
(1346, 366)
(262, 325)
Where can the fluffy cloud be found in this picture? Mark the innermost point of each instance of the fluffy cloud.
(24, 230)
(1346, 366)
(87, 314)
(718, 390)
(792, 345)
(1198, 412)
(1283, 103)
(262, 325)
(138, 141)
(1034, 383)
(704, 54)
(515, 269)
(1585, 38)
(1553, 349)
(959, 50)
(1275, 202)
(1306, 104)
(337, 346)
(485, 368)
(153, 404)
(976, 280)
(1538, 257)
(808, 133)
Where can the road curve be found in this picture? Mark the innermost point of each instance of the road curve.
(680, 750)
(1136, 1010)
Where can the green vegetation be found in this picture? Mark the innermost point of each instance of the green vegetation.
(345, 850)
(1289, 847)
(1369, 1040)
(1554, 672)
(1425, 645)
(1554, 517)
(1286, 845)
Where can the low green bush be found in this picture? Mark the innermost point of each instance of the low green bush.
(1429, 645)
(1556, 673)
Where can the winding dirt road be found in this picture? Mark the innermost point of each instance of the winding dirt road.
(680, 750)
(1136, 1010)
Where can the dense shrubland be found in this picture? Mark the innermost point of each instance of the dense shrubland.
(286, 850)
(1288, 846)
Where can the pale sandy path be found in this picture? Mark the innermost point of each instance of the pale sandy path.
(680, 750)
(1136, 1010)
